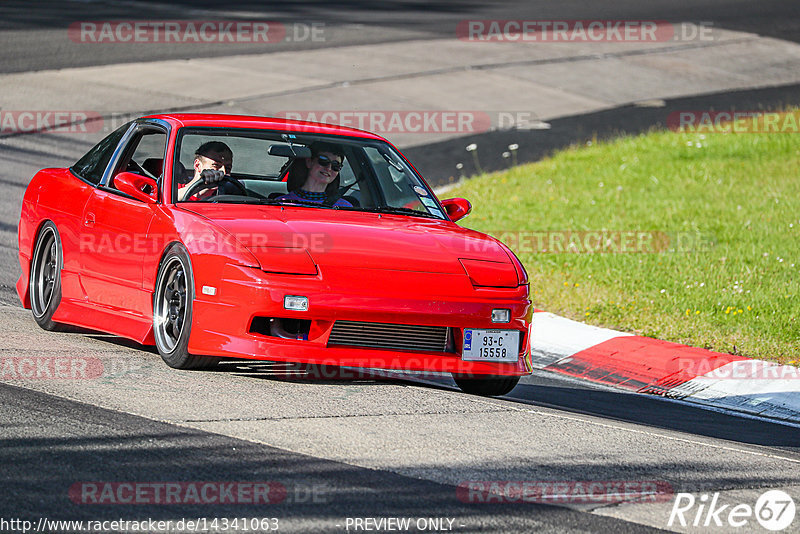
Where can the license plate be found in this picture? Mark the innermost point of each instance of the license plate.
(490, 345)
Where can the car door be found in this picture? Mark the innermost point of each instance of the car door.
(115, 237)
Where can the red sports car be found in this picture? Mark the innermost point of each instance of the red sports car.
(216, 236)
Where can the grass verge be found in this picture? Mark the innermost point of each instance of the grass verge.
(691, 238)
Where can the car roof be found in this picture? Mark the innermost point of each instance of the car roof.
(265, 123)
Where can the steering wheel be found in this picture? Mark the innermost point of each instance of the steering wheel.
(200, 186)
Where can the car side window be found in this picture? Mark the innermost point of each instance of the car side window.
(149, 154)
(144, 155)
(93, 164)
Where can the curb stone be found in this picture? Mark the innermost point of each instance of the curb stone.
(646, 365)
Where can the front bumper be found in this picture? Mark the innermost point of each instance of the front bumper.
(221, 324)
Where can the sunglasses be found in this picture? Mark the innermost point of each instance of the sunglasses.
(325, 161)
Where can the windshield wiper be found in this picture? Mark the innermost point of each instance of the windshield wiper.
(230, 199)
(402, 211)
(301, 203)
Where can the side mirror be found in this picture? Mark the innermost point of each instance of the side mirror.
(456, 208)
(139, 187)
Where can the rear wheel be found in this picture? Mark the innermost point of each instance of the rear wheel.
(172, 311)
(45, 277)
(490, 386)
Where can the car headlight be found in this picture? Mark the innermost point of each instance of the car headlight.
(284, 260)
(486, 273)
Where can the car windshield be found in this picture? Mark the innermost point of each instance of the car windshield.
(268, 167)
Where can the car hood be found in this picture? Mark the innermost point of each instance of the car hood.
(339, 238)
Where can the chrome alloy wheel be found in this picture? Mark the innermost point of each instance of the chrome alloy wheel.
(45, 271)
(171, 305)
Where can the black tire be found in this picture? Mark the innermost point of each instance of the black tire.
(172, 311)
(45, 277)
(489, 386)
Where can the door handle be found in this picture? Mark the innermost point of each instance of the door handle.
(88, 221)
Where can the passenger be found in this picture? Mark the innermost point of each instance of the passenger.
(212, 161)
(316, 179)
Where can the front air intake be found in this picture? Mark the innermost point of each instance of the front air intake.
(389, 336)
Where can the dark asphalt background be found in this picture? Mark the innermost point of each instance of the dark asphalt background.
(34, 37)
(49, 443)
(33, 49)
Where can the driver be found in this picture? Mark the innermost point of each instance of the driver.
(212, 161)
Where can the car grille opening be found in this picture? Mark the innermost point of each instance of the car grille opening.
(281, 327)
(391, 336)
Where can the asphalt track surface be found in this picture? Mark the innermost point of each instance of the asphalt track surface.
(52, 441)
(81, 442)
(39, 41)
(53, 437)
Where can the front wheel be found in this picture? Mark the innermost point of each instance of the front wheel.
(490, 386)
(172, 311)
(45, 277)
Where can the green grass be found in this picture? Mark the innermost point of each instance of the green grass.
(732, 284)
